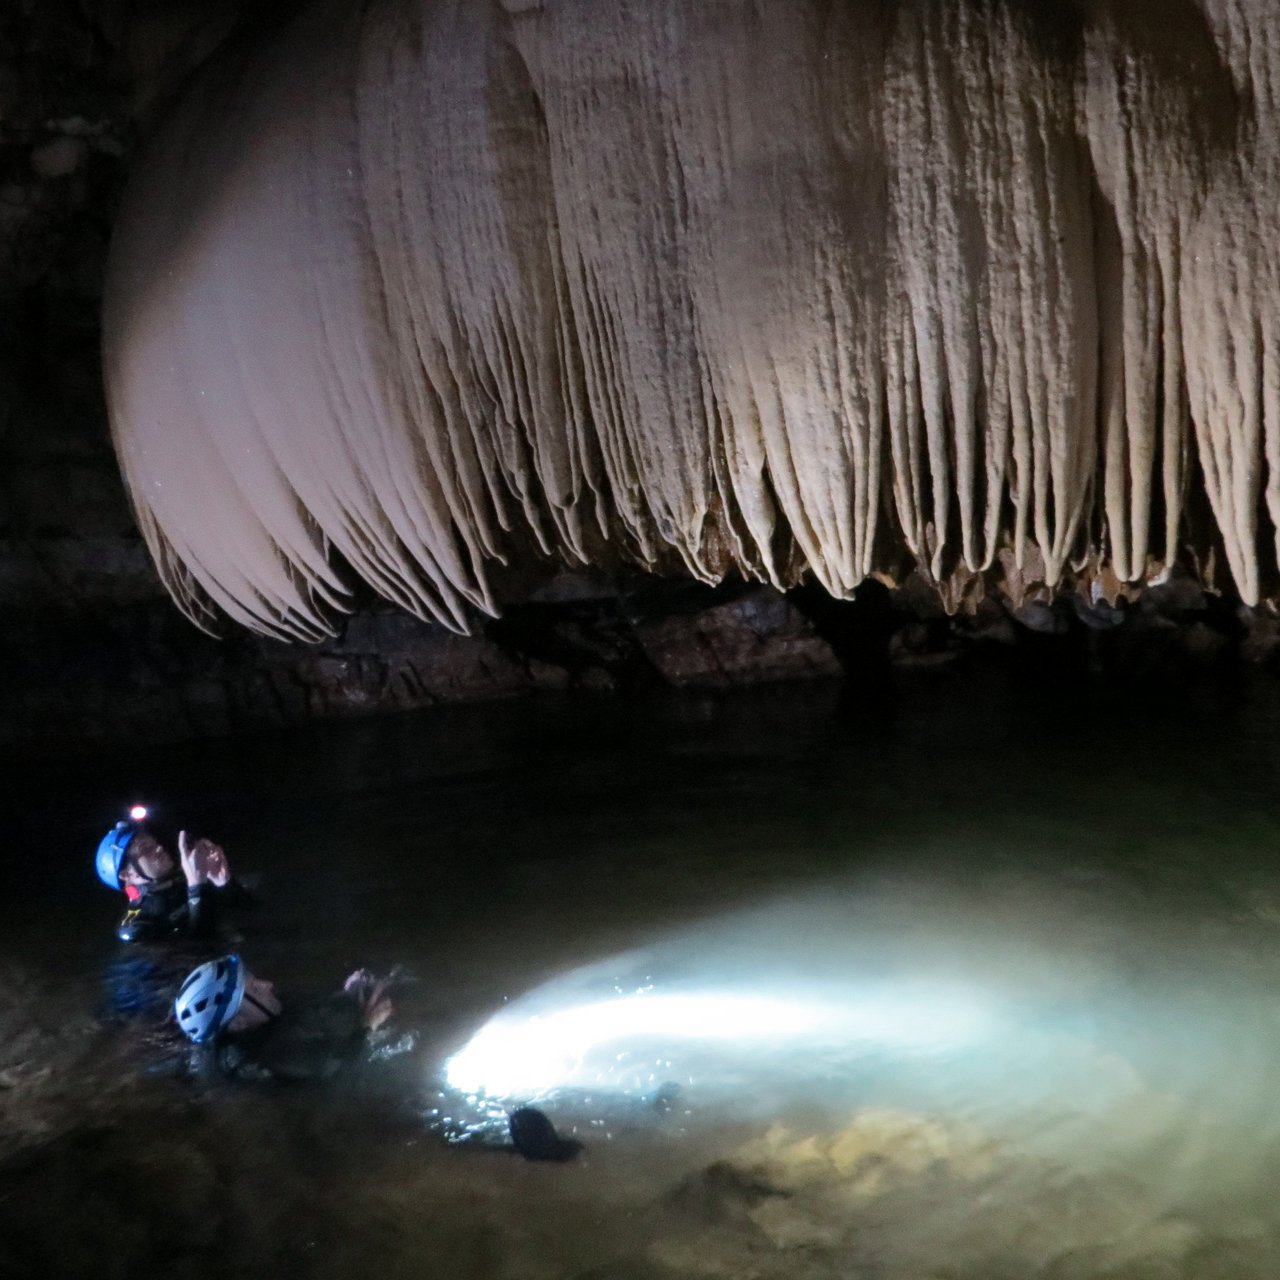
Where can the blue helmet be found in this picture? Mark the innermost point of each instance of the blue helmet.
(111, 849)
(210, 997)
(112, 846)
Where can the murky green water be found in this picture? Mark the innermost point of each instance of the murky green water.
(1019, 948)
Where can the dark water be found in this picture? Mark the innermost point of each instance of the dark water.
(985, 989)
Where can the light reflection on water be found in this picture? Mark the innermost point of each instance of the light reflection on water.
(1052, 933)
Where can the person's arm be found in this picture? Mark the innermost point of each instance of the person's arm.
(204, 864)
(202, 910)
(371, 998)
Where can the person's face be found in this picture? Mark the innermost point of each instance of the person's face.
(260, 1004)
(145, 860)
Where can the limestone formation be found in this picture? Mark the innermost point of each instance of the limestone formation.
(407, 289)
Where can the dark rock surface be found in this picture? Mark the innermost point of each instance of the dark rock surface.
(758, 636)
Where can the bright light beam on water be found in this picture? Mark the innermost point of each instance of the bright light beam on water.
(615, 1042)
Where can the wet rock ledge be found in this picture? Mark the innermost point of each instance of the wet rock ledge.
(138, 669)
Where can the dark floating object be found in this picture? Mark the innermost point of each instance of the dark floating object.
(535, 1137)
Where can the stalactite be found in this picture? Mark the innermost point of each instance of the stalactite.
(411, 288)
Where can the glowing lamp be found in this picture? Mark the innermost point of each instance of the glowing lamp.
(138, 813)
(513, 1054)
(524, 1053)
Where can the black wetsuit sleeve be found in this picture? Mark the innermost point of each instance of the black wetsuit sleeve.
(200, 914)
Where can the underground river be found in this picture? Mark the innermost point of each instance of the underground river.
(986, 988)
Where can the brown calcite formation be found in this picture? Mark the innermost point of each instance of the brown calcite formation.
(987, 289)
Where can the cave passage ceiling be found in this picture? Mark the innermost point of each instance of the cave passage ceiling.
(406, 290)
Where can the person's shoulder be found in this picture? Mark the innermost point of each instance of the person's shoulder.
(163, 899)
(238, 1057)
(314, 1038)
(334, 1014)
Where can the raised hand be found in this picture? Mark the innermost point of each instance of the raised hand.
(213, 861)
(359, 984)
(378, 1008)
(370, 994)
(189, 854)
(203, 862)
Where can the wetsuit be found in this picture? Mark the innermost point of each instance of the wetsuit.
(169, 909)
(313, 1040)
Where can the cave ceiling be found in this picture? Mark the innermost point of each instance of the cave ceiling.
(407, 291)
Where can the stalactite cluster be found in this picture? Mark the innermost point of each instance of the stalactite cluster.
(987, 288)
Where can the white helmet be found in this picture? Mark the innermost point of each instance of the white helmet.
(210, 997)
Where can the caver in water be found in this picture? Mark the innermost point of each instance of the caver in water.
(250, 1033)
(165, 897)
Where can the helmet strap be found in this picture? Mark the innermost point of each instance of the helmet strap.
(261, 1008)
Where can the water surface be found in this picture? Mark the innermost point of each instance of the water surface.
(1013, 952)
